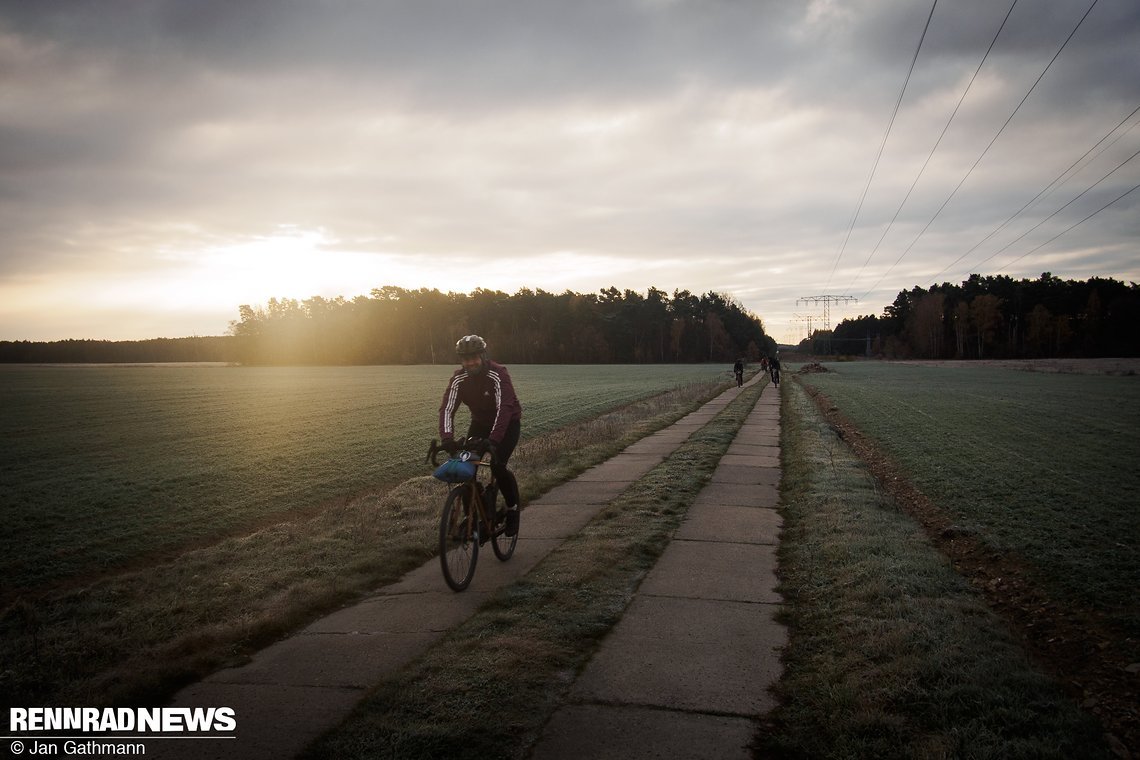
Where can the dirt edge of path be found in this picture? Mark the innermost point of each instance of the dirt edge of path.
(1087, 655)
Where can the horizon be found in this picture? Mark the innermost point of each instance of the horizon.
(780, 343)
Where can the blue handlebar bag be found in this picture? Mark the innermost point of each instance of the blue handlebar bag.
(455, 471)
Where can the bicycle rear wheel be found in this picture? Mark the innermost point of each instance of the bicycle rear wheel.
(458, 539)
(503, 544)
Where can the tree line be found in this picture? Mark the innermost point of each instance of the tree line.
(996, 317)
(215, 348)
(394, 325)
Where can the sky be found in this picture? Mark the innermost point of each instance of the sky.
(163, 162)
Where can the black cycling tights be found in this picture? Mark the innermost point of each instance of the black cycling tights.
(508, 486)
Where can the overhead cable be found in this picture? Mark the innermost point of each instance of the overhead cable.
(935, 148)
(984, 152)
(1074, 200)
(1077, 224)
(1048, 190)
(882, 145)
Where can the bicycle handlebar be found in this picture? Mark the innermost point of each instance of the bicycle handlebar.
(462, 444)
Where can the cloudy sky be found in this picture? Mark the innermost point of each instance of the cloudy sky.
(164, 161)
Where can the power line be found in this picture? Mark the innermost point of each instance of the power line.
(1048, 190)
(935, 148)
(882, 145)
(987, 149)
(1074, 200)
(1077, 224)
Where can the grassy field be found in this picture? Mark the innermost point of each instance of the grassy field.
(107, 466)
(1041, 466)
(132, 636)
(891, 653)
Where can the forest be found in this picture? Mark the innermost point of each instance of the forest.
(397, 326)
(212, 348)
(984, 317)
(995, 317)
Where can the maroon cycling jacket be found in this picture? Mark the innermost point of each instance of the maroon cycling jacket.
(489, 395)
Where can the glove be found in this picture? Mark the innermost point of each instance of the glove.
(450, 446)
(485, 447)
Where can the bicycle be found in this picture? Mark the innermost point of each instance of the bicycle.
(469, 518)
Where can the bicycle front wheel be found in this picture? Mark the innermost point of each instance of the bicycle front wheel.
(458, 539)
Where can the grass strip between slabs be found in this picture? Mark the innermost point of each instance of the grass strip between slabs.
(487, 689)
(891, 653)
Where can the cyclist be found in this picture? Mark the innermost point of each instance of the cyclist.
(774, 369)
(738, 370)
(485, 387)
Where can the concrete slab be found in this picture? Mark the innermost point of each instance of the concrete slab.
(489, 573)
(556, 521)
(581, 492)
(739, 495)
(271, 723)
(746, 475)
(688, 426)
(401, 613)
(592, 732)
(751, 460)
(662, 447)
(687, 654)
(343, 660)
(714, 571)
(709, 522)
(624, 468)
(668, 434)
(754, 449)
(758, 438)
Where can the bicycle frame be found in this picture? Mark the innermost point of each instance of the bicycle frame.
(476, 489)
(467, 522)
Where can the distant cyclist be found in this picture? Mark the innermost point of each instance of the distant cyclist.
(485, 388)
(738, 370)
(774, 370)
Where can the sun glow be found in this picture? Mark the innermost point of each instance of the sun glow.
(290, 264)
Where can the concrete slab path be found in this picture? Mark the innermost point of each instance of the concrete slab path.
(685, 673)
(294, 690)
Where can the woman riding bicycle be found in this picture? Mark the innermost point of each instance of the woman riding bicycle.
(485, 388)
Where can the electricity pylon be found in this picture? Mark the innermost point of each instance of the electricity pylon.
(826, 301)
(805, 319)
